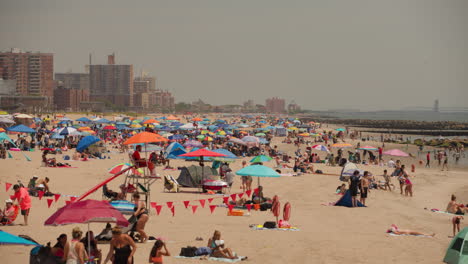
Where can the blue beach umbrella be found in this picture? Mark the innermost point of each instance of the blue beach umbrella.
(10, 239)
(84, 119)
(86, 142)
(21, 128)
(258, 171)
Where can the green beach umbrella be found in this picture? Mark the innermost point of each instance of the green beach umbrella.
(261, 158)
(258, 171)
(457, 252)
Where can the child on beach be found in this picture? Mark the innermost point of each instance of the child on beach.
(456, 223)
(387, 180)
(156, 255)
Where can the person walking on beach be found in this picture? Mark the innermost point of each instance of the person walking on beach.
(428, 159)
(24, 200)
(353, 187)
(456, 223)
(445, 165)
(401, 178)
(387, 180)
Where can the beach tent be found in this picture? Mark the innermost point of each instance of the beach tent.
(345, 200)
(192, 176)
(21, 128)
(348, 171)
(174, 150)
(457, 252)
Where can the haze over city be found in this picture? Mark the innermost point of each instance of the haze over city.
(350, 53)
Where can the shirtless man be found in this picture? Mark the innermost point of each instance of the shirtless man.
(455, 208)
(42, 184)
(364, 187)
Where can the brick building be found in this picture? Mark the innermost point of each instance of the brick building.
(275, 105)
(33, 73)
(111, 83)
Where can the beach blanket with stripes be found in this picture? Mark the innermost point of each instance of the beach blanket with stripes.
(260, 227)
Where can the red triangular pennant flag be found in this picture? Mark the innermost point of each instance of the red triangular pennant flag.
(233, 196)
(226, 200)
(212, 208)
(173, 211)
(153, 204)
(67, 202)
(40, 194)
(210, 200)
(249, 192)
(169, 204)
(194, 208)
(72, 199)
(186, 203)
(7, 186)
(231, 206)
(249, 206)
(158, 208)
(56, 196)
(202, 203)
(240, 195)
(49, 202)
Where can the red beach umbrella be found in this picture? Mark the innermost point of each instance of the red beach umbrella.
(109, 128)
(287, 211)
(202, 153)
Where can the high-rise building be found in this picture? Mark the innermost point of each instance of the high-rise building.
(275, 105)
(33, 72)
(72, 89)
(111, 83)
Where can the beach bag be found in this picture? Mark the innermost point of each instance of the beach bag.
(319, 171)
(269, 224)
(202, 251)
(265, 206)
(188, 251)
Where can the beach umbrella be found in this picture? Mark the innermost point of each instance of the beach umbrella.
(261, 158)
(145, 137)
(84, 119)
(57, 136)
(102, 121)
(287, 211)
(193, 144)
(320, 147)
(84, 128)
(21, 129)
(4, 136)
(276, 207)
(340, 129)
(109, 128)
(197, 119)
(150, 121)
(341, 145)
(368, 148)
(10, 239)
(396, 153)
(5, 120)
(86, 142)
(304, 135)
(457, 252)
(2, 129)
(87, 132)
(23, 116)
(67, 131)
(229, 156)
(177, 137)
(260, 134)
(237, 141)
(258, 171)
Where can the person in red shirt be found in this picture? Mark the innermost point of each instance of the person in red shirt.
(141, 162)
(428, 159)
(380, 153)
(24, 200)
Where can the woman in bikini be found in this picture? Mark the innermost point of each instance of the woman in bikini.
(217, 247)
(395, 230)
(122, 248)
(141, 213)
(409, 186)
(156, 254)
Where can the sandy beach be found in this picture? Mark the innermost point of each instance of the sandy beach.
(327, 234)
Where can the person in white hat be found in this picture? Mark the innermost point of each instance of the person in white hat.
(8, 212)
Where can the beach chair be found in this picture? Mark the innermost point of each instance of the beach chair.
(171, 184)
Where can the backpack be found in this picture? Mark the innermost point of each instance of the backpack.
(188, 251)
(269, 224)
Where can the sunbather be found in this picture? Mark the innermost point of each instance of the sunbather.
(8, 212)
(395, 230)
(43, 185)
(218, 248)
(454, 208)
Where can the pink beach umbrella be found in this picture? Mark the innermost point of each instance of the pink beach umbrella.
(396, 153)
(320, 147)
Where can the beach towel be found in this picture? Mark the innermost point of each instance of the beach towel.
(260, 227)
(239, 258)
(441, 212)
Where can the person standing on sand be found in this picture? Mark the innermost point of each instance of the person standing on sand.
(353, 187)
(401, 178)
(428, 159)
(387, 180)
(445, 165)
(456, 224)
(364, 187)
(24, 200)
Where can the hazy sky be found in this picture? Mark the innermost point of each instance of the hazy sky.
(323, 54)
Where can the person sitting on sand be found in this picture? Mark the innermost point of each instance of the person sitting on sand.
(218, 248)
(454, 208)
(48, 162)
(257, 197)
(156, 254)
(42, 185)
(8, 212)
(58, 249)
(395, 230)
(341, 189)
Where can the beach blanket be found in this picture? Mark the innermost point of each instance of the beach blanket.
(68, 167)
(289, 174)
(260, 227)
(441, 212)
(392, 234)
(239, 258)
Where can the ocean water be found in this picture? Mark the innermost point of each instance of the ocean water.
(429, 116)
